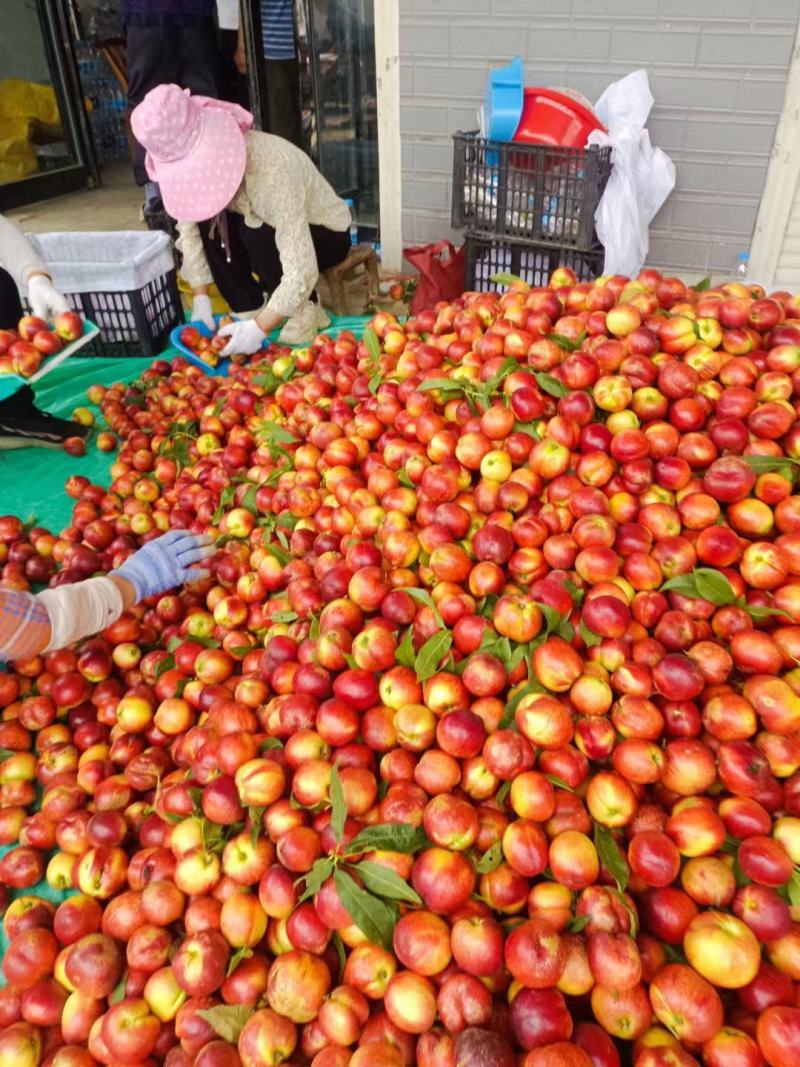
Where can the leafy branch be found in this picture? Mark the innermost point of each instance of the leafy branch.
(227, 1020)
(178, 442)
(373, 347)
(371, 897)
(531, 688)
(704, 583)
(422, 596)
(550, 385)
(786, 466)
(269, 380)
(490, 860)
(612, 858)
(478, 395)
(589, 637)
(566, 342)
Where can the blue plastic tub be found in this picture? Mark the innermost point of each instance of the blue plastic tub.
(222, 367)
(502, 101)
(175, 340)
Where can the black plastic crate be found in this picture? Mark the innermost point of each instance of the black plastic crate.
(537, 192)
(124, 281)
(133, 323)
(534, 263)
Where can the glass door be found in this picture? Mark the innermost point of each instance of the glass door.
(340, 112)
(338, 92)
(45, 148)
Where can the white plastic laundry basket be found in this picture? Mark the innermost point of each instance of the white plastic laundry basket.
(124, 281)
(114, 261)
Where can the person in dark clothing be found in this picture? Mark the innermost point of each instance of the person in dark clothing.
(232, 82)
(21, 422)
(168, 42)
(281, 69)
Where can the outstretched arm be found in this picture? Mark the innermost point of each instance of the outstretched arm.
(30, 623)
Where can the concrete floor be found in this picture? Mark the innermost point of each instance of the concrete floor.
(115, 205)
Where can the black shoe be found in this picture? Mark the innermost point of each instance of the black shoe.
(21, 405)
(28, 431)
(57, 425)
(37, 429)
(22, 400)
(155, 218)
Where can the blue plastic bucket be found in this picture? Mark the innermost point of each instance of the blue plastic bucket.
(502, 101)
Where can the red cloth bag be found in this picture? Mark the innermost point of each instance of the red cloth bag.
(441, 274)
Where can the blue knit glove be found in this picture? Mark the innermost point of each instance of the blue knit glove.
(166, 562)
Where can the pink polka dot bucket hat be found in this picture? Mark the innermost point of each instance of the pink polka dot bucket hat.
(195, 149)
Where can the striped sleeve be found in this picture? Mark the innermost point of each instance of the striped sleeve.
(277, 29)
(24, 625)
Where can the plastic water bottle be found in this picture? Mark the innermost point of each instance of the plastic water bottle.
(742, 266)
(353, 223)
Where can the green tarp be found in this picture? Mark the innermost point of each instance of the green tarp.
(32, 479)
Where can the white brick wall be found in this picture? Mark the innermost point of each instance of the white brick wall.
(717, 71)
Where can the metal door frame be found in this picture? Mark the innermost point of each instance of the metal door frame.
(256, 79)
(57, 28)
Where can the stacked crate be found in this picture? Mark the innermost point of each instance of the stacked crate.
(527, 209)
(109, 113)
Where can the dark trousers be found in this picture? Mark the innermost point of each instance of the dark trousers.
(163, 54)
(232, 84)
(10, 314)
(255, 269)
(283, 99)
(10, 303)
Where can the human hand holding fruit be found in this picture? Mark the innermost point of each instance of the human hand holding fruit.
(45, 300)
(246, 337)
(207, 349)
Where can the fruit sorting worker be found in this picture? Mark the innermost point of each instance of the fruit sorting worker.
(21, 422)
(254, 215)
(34, 623)
(20, 267)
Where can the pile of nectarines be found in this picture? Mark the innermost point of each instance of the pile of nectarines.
(481, 745)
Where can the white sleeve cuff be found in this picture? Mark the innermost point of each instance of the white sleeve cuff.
(78, 610)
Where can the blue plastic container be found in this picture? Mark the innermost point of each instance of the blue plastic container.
(502, 101)
(214, 372)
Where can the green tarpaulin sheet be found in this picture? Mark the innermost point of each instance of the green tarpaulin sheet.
(32, 479)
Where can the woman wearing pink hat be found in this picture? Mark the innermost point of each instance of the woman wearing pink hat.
(254, 214)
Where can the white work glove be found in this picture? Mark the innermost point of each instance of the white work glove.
(201, 311)
(46, 302)
(246, 337)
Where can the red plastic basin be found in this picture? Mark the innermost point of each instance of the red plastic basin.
(552, 118)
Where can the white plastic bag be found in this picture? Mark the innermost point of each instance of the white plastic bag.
(642, 177)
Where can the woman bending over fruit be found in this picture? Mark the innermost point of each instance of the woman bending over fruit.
(254, 215)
